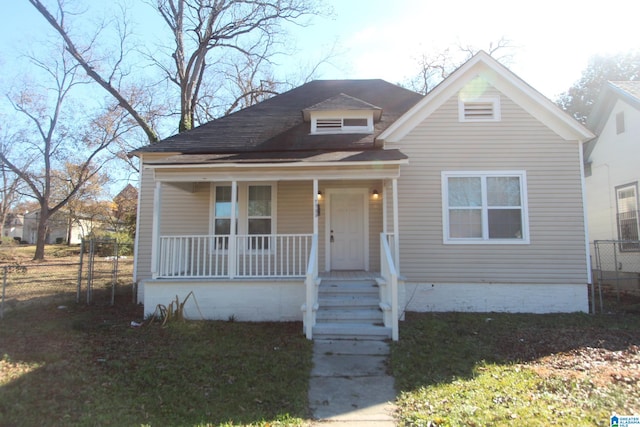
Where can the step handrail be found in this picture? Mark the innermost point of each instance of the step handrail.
(390, 275)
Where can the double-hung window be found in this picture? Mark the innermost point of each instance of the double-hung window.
(627, 216)
(222, 216)
(259, 216)
(485, 207)
(254, 214)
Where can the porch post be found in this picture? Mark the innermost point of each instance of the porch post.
(155, 239)
(384, 207)
(396, 232)
(315, 206)
(231, 252)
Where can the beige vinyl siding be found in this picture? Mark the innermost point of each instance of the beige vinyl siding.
(185, 209)
(518, 141)
(144, 233)
(295, 207)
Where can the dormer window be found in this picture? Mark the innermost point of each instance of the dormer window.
(342, 114)
(360, 124)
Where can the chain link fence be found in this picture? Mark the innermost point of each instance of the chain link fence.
(97, 272)
(616, 276)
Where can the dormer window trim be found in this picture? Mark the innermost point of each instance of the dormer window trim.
(327, 122)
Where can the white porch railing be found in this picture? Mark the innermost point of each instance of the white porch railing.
(255, 255)
(389, 290)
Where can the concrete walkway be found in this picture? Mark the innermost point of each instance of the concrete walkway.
(350, 385)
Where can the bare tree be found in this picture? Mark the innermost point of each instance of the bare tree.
(434, 68)
(57, 139)
(203, 33)
(110, 81)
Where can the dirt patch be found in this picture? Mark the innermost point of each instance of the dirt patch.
(602, 366)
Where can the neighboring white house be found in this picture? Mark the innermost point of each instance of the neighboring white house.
(469, 199)
(58, 228)
(13, 227)
(613, 164)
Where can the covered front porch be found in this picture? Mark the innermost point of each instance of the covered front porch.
(293, 228)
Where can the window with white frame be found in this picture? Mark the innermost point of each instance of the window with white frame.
(222, 215)
(254, 214)
(479, 109)
(485, 207)
(259, 216)
(627, 216)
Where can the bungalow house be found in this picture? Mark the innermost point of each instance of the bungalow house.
(345, 203)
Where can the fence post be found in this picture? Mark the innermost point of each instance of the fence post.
(90, 270)
(79, 291)
(114, 273)
(4, 286)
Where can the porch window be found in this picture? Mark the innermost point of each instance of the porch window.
(627, 216)
(259, 215)
(222, 216)
(254, 214)
(484, 207)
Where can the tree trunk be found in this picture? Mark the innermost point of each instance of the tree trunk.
(41, 236)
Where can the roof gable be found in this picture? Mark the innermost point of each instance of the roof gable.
(627, 91)
(480, 70)
(342, 102)
(610, 93)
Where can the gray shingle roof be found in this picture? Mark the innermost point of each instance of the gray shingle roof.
(277, 125)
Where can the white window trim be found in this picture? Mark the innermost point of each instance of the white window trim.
(242, 213)
(493, 100)
(485, 240)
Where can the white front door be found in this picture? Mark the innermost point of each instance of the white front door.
(347, 218)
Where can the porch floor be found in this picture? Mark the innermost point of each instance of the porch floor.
(350, 275)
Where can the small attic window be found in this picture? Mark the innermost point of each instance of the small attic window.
(479, 110)
(342, 125)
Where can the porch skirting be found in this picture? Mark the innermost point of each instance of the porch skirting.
(254, 300)
(495, 297)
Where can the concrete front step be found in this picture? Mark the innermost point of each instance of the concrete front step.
(342, 315)
(350, 331)
(349, 287)
(346, 301)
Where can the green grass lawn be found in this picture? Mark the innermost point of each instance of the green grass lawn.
(87, 366)
(516, 370)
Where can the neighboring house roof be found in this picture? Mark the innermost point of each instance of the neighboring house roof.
(611, 92)
(500, 77)
(128, 192)
(277, 125)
